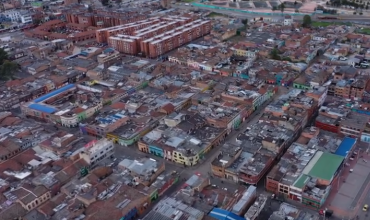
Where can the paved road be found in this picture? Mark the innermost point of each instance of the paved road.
(344, 18)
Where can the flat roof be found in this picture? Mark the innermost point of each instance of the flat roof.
(301, 181)
(42, 108)
(325, 166)
(53, 93)
(345, 146)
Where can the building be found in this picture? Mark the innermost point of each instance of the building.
(174, 143)
(97, 150)
(221, 214)
(56, 107)
(248, 198)
(166, 3)
(29, 196)
(26, 18)
(154, 37)
(169, 208)
(353, 125)
(254, 211)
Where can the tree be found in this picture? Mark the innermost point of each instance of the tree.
(327, 3)
(366, 7)
(245, 22)
(295, 2)
(306, 21)
(105, 2)
(282, 7)
(7, 68)
(274, 8)
(90, 9)
(37, 21)
(275, 54)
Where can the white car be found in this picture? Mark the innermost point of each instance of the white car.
(343, 58)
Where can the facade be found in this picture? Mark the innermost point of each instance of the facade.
(26, 18)
(175, 145)
(30, 198)
(154, 38)
(97, 150)
(70, 115)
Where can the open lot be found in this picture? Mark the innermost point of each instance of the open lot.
(326, 24)
(351, 186)
(364, 31)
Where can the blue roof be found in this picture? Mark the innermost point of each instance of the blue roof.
(345, 146)
(221, 214)
(53, 93)
(42, 108)
(108, 50)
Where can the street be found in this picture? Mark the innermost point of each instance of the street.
(343, 18)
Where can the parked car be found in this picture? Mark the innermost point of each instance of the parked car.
(365, 208)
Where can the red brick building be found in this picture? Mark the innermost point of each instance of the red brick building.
(156, 39)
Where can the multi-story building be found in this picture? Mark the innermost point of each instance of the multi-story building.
(173, 142)
(155, 36)
(353, 125)
(48, 107)
(97, 150)
(26, 18)
(170, 40)
(102, 35)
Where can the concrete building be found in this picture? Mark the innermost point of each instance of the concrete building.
(154, 37)
(97, 150)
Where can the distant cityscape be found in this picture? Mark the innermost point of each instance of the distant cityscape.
(184, 110)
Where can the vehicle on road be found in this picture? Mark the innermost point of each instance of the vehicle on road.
(365, 208)
(327, 212)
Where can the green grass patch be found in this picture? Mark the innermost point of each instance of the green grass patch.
(215, 14)
(326, 24)
(364, 31)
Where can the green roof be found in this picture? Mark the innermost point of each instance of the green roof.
(326, 166)
(301, 181)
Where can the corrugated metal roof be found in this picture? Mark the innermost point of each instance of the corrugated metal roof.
(345, 146)
(53, 93)
(42, 108)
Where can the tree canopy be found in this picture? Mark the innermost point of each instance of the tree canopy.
(306, 21)
(7, 68)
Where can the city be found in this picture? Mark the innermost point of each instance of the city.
(184, 110)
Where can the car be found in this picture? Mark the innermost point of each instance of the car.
(343, 58)
(366, 206)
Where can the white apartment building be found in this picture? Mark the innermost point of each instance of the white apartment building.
(18, 15)
(97, 150)
(26, 18)
(14, 15)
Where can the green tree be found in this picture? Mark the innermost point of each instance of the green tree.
(327, 3)
(245, 22)
(105, 2)
(282, 7)
(90, 9)
(306, 21)
(7, 70)
(274, 8)
(274, 54)
(295, 2)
